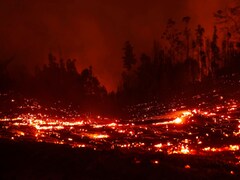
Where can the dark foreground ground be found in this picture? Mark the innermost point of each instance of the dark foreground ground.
(30, 160)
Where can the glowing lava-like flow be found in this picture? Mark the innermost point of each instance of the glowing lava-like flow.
(204, 130)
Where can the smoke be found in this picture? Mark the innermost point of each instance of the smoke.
(91, 31)
(202, 12)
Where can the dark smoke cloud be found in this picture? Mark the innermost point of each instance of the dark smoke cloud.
(92, 31)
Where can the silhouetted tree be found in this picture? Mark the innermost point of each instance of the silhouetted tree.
(52, 64)
(201, 54)
(215, 51)
(156, 53)
(229, 19)
(61, 82)
(62, 65)
(146, 78)
(71, 66)
(187, 33)
(5, 80)
(129, 58)
(175, 44)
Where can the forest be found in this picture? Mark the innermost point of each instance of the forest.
(183, 59)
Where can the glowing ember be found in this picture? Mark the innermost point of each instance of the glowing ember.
(100, 136)
(158, 145)
(185, 150)
(177, 121)
(155, 162)
(202, 131)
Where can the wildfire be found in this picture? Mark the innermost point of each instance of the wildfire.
(178, 120)
(185, 150)
(99, 136)
(225, 148)
(175, 132)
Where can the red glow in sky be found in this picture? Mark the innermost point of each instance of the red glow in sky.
(91, 31)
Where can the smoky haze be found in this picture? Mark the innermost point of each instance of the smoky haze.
(91, 31)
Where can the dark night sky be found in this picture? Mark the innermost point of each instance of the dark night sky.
(92, 31)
